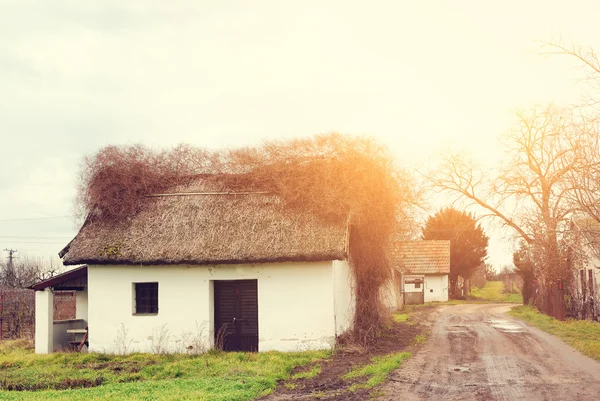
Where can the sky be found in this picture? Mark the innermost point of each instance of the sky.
(420, 77)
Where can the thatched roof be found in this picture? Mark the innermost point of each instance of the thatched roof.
(422, 257)
(205, 224)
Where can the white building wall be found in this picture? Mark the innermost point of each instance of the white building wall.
(343, 299)
(296, 306)
(436, 288)
(44, 328)
(81, 305)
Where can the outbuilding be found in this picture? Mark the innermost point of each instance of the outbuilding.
(424, 267)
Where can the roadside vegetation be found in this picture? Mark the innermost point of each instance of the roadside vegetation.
(350, 370)
(377, 371)
(494, 291)
(583, 335)
(355, 371)
(211, 376)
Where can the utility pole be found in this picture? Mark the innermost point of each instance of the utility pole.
(9, 273)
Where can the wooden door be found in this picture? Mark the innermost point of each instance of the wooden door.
(236, 315)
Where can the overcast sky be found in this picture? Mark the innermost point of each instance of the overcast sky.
(420, 76)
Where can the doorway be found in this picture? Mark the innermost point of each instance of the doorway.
(236, 315)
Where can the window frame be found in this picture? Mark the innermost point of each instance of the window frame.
(150, 305)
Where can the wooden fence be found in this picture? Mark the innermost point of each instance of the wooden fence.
(17, 313)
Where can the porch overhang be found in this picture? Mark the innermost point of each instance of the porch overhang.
(73, 280)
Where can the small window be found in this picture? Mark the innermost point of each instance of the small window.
(417, 284)
(146, 298)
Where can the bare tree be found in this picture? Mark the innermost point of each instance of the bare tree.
(530, 191)
(586, 178)
(25, 271)
(587, 58)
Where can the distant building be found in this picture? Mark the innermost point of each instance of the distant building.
(424, 267)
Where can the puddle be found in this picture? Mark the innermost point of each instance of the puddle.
(506, 326)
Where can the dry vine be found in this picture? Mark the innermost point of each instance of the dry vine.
(337, 178)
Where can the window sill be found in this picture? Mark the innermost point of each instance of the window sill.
(145, 314)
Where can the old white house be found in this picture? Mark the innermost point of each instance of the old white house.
(424, 266)
(201, 266)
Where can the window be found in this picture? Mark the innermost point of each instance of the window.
(417, 284)
(146, 298)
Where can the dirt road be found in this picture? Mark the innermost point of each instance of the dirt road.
(477, 352)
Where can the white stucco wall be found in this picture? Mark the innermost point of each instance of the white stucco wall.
(411, 287)
(343, 299)
(436, 288)
(44, 328)
(81, 305)
(296, 305)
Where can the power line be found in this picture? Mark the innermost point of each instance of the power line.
(21, 237)
(36, 242)
(36, 218)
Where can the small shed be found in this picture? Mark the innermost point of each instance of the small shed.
(424, 267)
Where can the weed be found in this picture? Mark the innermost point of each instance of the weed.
(122, 341)
(160, 340)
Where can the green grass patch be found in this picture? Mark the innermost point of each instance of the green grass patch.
(493, 291)
(420, 339)
(211, 376)
(309, 374)
(400, 317)
(582, 335)
(377, 371)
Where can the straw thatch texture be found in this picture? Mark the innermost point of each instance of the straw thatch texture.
(208, 228)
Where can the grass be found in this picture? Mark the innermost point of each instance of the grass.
(376, 371)
(582, 335)
(420, 339)
(211, 376)
(400, 317)
(309, 374)
(493, 291)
